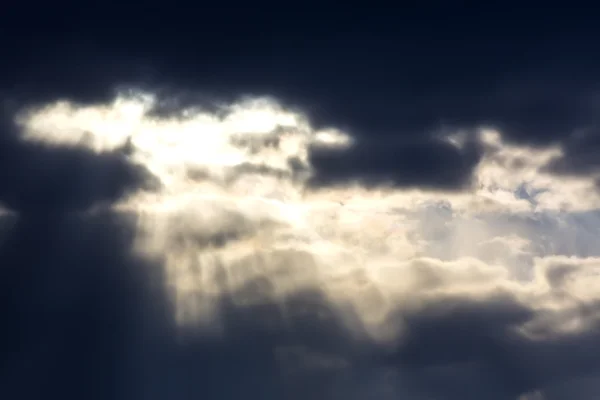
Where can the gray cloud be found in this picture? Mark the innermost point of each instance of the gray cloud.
(36, 178)
(429, 164)
(579, 157)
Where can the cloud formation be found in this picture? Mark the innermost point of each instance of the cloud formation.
(191, 253)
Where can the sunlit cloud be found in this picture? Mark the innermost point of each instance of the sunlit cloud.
(234, 208)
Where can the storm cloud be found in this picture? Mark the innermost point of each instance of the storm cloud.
(408, 214)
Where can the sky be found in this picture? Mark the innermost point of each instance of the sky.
(291, 203)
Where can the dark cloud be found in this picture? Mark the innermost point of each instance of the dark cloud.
(466, 338)
(579, 156)
(38, 178)
(431, 163)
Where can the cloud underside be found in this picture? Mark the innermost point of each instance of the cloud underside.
(260, 256)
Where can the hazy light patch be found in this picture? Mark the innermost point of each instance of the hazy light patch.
(8, 220)
(6, 212)
(535, 395)
(333, 138)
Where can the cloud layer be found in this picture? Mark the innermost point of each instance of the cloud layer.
(242, 250)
